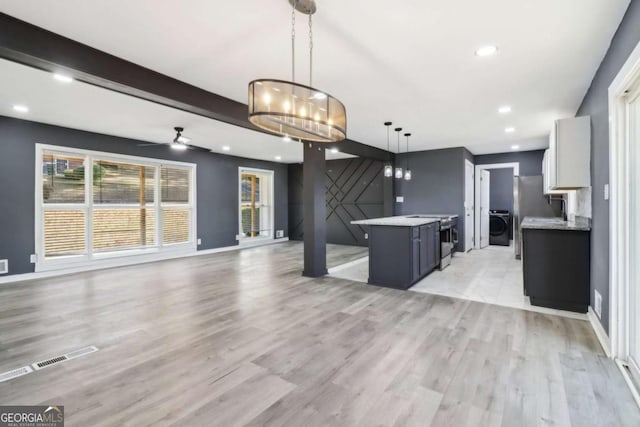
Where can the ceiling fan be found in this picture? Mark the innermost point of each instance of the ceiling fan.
(179, 143)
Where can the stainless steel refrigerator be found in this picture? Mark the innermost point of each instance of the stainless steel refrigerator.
(529, 200)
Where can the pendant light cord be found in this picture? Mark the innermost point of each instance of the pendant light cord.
(407, 135)
(293, 41)
(310, 50)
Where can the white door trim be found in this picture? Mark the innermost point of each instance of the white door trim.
(479, 169)
(472, 184)
(271, 176)
(619, 206)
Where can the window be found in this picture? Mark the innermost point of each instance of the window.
(120, 205)
(256, 204)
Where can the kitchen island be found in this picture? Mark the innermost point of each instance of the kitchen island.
(402, 249)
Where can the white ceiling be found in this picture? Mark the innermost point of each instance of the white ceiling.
(82, 106)
(412, 63)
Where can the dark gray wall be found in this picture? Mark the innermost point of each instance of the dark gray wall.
(595, 104)
(354, 190)
(217, 185)
(501, 189)
(530, 161)
(437, 184)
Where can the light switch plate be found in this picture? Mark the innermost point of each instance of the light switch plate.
(399, 199)
(366, 236)
(606, 191)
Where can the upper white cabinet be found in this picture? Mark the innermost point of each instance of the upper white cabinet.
(567, 164)
(546, 172)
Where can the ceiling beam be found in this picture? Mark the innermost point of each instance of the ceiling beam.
(36, 47)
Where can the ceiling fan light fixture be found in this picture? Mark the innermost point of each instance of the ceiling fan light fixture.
(179, 146)
(294, 110)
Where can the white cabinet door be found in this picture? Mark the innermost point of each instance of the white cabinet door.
(484, 208)
(569, 157)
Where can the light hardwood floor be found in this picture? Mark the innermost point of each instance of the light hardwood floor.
(240, 338)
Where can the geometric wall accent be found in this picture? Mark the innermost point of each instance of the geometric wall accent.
(354, 190)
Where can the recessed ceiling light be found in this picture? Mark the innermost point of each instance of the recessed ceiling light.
(21, 108)
(487, 50)
(62, 78)
(334, 150)
(286, 138)
(278, 157)
(226, 148)
(515, 147)
(510, 129)
(504, 109)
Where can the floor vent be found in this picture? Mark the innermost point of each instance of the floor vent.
(63, 358)
(9, 375)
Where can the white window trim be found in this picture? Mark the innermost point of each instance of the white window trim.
(100, 258)
(478, 170)
(270, 173)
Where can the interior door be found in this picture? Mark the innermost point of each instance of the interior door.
(634, 233)
(468, 206)
(484, 208)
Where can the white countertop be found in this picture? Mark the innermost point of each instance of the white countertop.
(398, 221)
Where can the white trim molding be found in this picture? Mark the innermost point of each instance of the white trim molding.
(619, 177)
(478, 170)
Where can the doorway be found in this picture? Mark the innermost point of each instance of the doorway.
(255, 219)
(624, 210)
(482, 215)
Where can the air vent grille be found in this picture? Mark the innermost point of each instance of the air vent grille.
(51, 361)
(64, 357)
(9, 375)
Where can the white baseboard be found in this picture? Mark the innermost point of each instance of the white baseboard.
(123, 262)
(602, 335)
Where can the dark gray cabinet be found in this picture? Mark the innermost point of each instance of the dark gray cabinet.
(556, 268)
(429, 248)
(400, 256)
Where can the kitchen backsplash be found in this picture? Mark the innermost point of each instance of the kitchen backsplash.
(579, 203)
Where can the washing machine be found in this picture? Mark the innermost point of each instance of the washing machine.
(499, 224)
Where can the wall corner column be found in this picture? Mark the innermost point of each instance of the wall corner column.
(314, 210)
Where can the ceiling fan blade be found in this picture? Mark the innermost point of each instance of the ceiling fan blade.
(150, 144)
(196, 148)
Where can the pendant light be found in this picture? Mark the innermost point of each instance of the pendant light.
(407, 171)
(293, 110)
(399, 174)
(388, 167)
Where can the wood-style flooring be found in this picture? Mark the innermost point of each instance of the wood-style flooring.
(241, 338)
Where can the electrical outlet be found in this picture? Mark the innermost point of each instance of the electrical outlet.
(238, 237)
(279, 234)
(33, 258)
(366, 236)
(606, 191)
(597, 303)
(400, 199)
(199, 242)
